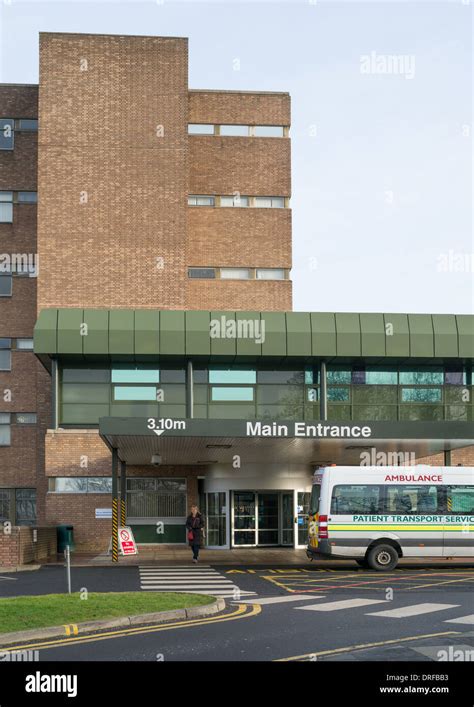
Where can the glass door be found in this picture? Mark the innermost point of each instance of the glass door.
(216, 519)
(267, 530)
(302, 500)
(244, 521)
(287, 523)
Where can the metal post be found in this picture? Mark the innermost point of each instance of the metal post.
(323, 396)
(54, 394)
(68, 567)
(189, 390)
(123, 493)
(114, 505)
(447, 457)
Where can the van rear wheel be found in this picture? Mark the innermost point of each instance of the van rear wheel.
(382, 558)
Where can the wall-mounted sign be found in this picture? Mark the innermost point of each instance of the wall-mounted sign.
(103, 513)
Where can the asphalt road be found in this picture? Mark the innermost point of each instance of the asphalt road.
(311, 614)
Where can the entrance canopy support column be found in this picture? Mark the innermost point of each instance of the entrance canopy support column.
(115, 505)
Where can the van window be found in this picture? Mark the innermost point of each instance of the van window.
(412, 499)
(350, 499)
(314, 503)
(460, 499)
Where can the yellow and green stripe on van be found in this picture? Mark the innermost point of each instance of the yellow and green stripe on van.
(403, 527)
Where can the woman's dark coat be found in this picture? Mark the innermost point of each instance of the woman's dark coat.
(196, 524)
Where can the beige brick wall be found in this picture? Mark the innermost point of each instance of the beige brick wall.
(66, 450)
(100, 139)
(241, 107)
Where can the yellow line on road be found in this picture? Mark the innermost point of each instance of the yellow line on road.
(361, 646)
(243, 611)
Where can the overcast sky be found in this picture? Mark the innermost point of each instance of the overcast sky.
(381, 148)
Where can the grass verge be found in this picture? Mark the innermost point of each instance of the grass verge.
(22, 613)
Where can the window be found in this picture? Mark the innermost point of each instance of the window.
(233, 393)
(200, 129)
(6, 133)
(202, 273)
(377, 376)
(5, 355)
(24, 344)
(235, 273)
(198, 200)
(412, 499)
(6, 207)
(338, 395)
(5, 430)
(267, 130)
(25, 506)
(6, 505)
(235, 130)
(232, 376)
(27, 197)
(270, 274)
(356, 499)
(235, 200)
(86, 375)
(455, 377)
(127, 375)
(270, 202)
(5, 284)
(315, 496)
(428, 376)
(281, 377)
(142, 392)
(27, 124)
(421, 395)
(156, 498)
(338, 375)
(76, 484)
(26, 418)
(460, 499)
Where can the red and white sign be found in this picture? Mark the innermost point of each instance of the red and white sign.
(127, 541)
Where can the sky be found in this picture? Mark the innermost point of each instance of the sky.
(381, 128)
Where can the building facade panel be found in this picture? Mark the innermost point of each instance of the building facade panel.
(239, 107)
(247, 165)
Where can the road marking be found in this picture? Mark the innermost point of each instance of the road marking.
(242, 612)
(12, 579)
(70, 629)
(279, 600)
(343, 604)
(413, 610)
(202, 580)
(469, 619)
(361, 646)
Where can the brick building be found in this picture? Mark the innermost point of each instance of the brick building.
(160, 289)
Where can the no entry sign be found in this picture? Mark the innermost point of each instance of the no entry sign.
(126, 541)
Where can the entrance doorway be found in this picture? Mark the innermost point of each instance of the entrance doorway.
(269, 518)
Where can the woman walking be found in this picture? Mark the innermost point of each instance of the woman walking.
(195, 528)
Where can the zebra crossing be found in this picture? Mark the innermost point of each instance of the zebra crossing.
(201, 579)
(402, 612)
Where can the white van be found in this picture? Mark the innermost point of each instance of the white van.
(377, 514)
